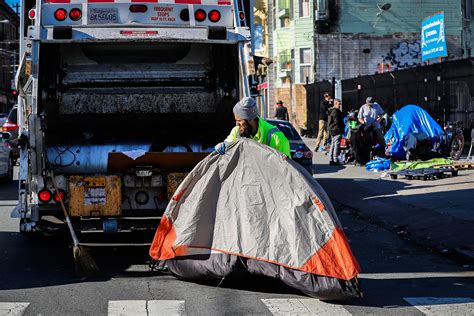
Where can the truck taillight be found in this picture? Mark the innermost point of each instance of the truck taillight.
(75, 14)
(184, 15)
(138, 8)
(60, 14)
(60, 193)
(44, 196)
(32, 14)
(200, 15)
(9, 127)
(214, 16)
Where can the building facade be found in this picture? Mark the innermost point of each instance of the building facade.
(9, 26)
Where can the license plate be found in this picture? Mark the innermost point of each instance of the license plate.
(94, 196)
(102, 15)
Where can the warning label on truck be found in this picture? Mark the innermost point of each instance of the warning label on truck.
(94, 196)
(163, 14)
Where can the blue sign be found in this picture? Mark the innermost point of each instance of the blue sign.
(433, 39)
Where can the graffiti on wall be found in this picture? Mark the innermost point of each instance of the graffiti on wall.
(405, 55)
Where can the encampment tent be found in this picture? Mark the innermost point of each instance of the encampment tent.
(254, 211)
(410, 119)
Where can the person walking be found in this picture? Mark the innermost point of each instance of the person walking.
(336, 129)
(326, 103)
(281, 112)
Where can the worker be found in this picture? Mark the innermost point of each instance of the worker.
(281, 112)
(250, 125)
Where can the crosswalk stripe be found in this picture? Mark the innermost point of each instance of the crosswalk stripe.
(307, 306)
(442, 305)
(12, 308)
(142, 307)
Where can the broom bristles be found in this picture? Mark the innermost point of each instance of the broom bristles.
(85, 266)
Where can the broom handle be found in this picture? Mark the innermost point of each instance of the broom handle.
(68, 220)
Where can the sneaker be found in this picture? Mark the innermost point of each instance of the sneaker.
(322, 149)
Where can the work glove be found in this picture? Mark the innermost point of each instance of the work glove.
(220, 148)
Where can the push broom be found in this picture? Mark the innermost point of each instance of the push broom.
(85, 266)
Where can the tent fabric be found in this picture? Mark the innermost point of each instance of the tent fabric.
(255, 205)
(421, 164)
(410, 119)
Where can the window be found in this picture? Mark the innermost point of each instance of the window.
(304, 8)
(258, 36)
(467, 9)
(305, 65)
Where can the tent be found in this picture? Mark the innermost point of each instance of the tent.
(410, 119)
(254, 211)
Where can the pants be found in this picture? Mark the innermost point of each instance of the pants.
(322, 134)
(380, 139)
(335, 149)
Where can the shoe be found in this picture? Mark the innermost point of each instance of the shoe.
(321, 149)
(333, 163)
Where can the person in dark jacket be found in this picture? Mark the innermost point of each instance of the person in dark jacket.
(336, 129)
(323, 121)
(281, 112)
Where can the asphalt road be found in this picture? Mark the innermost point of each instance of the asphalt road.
(37, 277)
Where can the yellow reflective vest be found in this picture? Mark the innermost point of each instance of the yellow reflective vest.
(266, 134)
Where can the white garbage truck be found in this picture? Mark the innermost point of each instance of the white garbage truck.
(119, 99)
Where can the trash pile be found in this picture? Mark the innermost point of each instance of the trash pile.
(233, 217)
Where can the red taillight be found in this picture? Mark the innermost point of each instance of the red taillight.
(32, 14)
(214, 16)
(44, 196)
(75, 14)
(60, 14)
(138, 8)
(62, 194)
(9, 127)
(200, 15)
(308, 154)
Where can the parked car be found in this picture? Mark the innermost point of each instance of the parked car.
(11, 126)
(298, 149)
(6, 159)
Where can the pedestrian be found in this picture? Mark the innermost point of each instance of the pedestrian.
(371, 115)
(336, 129)
(250, 125)
(324, 106)
(281, 112)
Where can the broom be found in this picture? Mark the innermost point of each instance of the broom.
(85, 266)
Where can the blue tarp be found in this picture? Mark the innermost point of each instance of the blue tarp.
(410, 119)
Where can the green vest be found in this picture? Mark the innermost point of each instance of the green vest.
(266, 134)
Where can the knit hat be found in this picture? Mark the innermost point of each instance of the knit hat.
(369, 100)
(246, 109)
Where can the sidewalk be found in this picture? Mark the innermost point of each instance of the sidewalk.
(438, 213)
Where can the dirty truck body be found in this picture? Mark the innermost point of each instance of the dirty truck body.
(118, 101)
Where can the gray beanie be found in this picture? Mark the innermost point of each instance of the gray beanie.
(369, 100)
(246, 109)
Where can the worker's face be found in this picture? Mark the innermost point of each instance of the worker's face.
(245, 129)
(337, 104)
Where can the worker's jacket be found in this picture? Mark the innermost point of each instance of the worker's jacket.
(266, 134)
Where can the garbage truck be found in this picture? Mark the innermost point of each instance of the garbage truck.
(118, 101)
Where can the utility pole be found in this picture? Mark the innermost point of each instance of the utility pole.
(16, 6)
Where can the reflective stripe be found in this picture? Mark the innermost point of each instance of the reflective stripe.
(270, 134)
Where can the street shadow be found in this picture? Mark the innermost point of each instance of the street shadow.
(326, 168)
(8, 190)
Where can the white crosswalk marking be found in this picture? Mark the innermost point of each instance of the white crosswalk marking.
(142, 307)
(442, 305)
(12, 309)
(306, 306)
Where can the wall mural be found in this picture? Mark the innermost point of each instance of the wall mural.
(405, 55)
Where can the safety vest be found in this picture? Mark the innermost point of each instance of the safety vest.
(266, 134)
